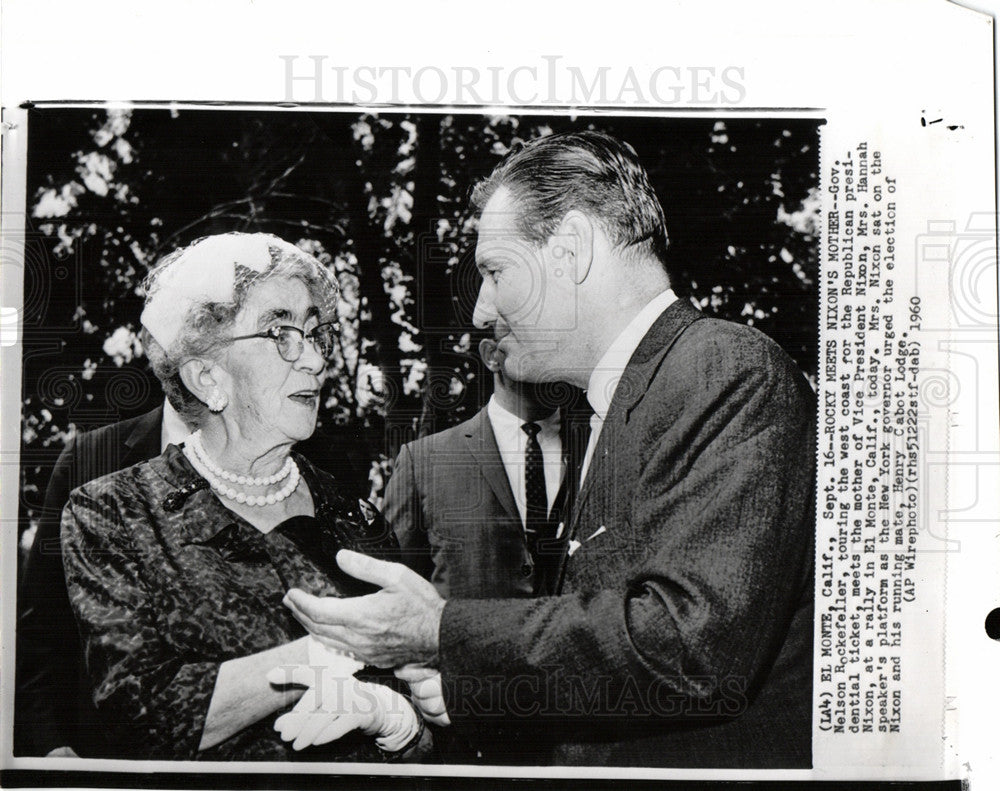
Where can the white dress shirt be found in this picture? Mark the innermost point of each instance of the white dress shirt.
(512, 442)
(609, 369)
(173, 430)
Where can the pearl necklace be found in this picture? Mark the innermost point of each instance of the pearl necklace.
(242, 480)
(195, 453)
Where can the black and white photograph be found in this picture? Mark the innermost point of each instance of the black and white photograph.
(546, 378)
(444, 397)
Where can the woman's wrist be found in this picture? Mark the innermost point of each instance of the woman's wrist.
(420, 735)
(397, 720)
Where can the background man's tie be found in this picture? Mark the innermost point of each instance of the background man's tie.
(537, 527)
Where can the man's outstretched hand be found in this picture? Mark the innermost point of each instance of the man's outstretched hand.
(396, 626)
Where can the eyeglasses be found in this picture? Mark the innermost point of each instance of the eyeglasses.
(291, 340)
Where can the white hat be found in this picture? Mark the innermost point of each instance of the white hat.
(204, 272)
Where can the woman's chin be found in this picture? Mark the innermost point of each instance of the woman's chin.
(303, 412)
(304, 433)
(299, 430)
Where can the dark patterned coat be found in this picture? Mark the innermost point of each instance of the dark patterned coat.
(52, 702)
(167, 584)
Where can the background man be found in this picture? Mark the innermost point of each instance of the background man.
(477, 507)
(681, 631)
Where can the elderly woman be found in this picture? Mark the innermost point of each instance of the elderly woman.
(177, 567)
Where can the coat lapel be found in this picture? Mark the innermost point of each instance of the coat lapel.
(483, 447)
(643, 365)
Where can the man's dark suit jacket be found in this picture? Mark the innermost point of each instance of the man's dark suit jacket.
(682, 631)
(51, 701)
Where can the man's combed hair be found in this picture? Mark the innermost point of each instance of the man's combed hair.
(592, 172)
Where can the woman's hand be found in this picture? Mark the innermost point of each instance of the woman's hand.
(335, 703)
(426, 692)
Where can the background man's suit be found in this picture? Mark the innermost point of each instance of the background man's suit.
(450, 504)
(682, 634)
(52, 704)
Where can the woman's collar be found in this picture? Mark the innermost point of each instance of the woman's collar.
(190, 498)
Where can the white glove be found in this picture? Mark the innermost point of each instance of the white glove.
(330, 660)
(336, 703)
(426, 692)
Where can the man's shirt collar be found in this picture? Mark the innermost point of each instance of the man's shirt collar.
(506, 422)
(609, 369)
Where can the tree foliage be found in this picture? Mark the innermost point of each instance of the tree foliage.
(381, 199)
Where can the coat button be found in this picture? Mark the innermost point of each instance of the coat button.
(526, 570)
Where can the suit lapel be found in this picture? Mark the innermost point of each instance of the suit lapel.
(643, 365)
(575, 432)
(483, 447)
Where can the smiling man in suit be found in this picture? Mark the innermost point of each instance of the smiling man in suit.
(680, 629)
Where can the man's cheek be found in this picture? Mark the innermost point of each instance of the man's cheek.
(517, 365)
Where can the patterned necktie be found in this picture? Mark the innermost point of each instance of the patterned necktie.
(536, 499)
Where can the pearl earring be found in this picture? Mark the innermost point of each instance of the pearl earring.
(217, 401)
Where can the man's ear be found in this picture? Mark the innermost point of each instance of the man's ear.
(488, 350)
(200, 377)
(573, 244)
